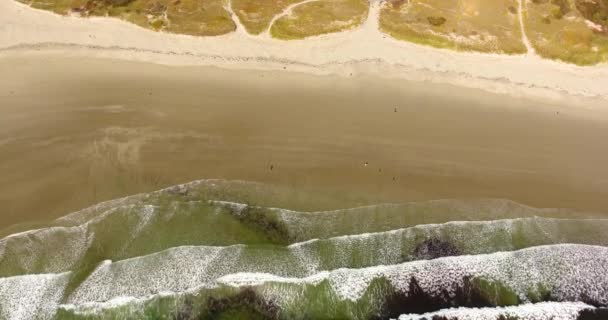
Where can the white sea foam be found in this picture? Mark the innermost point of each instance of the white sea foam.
(491, 208)
(305, 225)
(31, 296)
(61, 248)
(95, 308)
(237, 207)
(175, 270)
(83, 215)
(144, 215)
(572, 272)
(538, 311)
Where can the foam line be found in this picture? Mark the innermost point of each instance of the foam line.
(537, 311)
(31, 296)
(59, 249)
(573, 272)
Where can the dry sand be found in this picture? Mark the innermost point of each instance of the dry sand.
(363, 50)
(75, 131)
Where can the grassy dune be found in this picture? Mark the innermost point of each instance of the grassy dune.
(198, 18)
(320, 17)
(256, 15)
(479, 25)
(574, 31)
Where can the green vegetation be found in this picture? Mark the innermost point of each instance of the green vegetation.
(477, 25)
(320, 17)
(256, 15)
(198, 18)
(574, 31)
(211, 18)
(436, 21)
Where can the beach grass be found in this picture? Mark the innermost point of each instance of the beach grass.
(573, 31)
(475, 25)
(565, 30)
(197, 18)
(320, 17)
(256, 15)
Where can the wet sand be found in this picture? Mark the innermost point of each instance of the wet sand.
(77, 131)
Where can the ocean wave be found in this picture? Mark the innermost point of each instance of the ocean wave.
(561, 273)
(536, 311)
(61, 249)
(571, 272)
(191, 214)
(31, 296)
(288, 200)
(210, 244)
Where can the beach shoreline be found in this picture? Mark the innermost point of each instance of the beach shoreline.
(448, 124)
(113, 128)
(147, 174)
(364, 50)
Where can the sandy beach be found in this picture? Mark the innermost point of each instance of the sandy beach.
(111, 128)
(97, 99)
(360, 51)
(147, 175)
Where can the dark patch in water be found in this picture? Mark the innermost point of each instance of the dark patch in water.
(591, 301)
(593, 314)
(472, 293)
(435, 248)
(541, 294)
(186, 311)
(246, 304)
(266, 222)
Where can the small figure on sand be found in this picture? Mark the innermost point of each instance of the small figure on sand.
(271, 167)
(365, 164)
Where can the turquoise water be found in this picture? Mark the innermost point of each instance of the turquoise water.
(215, 249)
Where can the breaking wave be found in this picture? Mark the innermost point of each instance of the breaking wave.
(214, 247)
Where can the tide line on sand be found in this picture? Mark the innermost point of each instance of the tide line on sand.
(361, 50)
